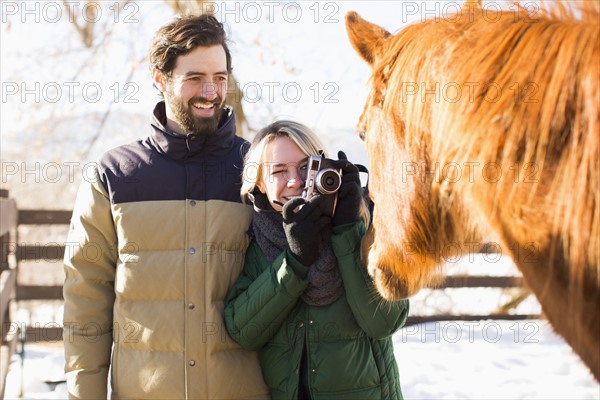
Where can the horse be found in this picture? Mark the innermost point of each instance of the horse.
(485, 124)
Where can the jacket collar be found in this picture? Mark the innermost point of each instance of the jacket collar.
(177, 146)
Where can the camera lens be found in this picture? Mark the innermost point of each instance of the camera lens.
(328, 181)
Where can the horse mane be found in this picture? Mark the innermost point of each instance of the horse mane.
(521, 90)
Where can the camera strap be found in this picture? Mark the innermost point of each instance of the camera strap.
(362, 168)
(366, 196)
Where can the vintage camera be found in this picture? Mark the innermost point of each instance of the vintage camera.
(322, 178)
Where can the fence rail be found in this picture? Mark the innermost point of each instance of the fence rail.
(14, 252)
(44, 217)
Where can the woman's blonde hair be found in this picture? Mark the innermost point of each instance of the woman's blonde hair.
(301, 135)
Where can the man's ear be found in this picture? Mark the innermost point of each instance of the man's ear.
(159, 80)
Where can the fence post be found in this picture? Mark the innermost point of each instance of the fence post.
(4, 239)
(8, 219)
(8, 280)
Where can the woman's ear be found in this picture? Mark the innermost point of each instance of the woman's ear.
(261, 186)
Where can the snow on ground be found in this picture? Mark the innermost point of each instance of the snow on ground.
(438, 360)
(42, 363)
(490, 360)
(486, 359)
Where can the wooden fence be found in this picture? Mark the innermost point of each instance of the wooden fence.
(8, 279)
(14, 252)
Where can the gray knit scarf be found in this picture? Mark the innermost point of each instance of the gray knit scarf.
(324, 280)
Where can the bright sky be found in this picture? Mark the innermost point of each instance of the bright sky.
(291, 59)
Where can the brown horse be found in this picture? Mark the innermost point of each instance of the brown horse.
(485, 124)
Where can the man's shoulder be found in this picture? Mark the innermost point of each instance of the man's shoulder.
(125, 147)
(241, 144)
(137, 147)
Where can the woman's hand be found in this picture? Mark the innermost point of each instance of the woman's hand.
(350, 193)
(303, 227)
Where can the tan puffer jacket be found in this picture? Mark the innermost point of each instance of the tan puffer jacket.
(157, 237)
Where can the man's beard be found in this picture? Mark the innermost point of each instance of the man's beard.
(191, 123)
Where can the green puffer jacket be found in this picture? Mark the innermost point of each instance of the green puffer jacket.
(349, 349)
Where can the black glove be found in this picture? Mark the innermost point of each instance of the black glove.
(347, 209)
(303, 227)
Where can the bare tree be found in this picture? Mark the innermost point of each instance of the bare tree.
(85, 25)
(190, 6)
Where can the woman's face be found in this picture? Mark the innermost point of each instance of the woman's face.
(283, 172)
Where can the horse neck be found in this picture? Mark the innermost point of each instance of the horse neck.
(568, 294)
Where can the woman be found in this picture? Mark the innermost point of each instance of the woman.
(304, 300)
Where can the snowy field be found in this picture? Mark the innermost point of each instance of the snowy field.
(487, 359)
(490, 360)
(442, 360)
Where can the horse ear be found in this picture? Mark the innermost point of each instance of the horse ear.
(366, 38)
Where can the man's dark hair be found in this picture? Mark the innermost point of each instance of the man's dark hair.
(183, 35)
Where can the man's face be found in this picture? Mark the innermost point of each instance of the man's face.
(195, 91)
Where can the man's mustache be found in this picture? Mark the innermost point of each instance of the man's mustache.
(216, 101)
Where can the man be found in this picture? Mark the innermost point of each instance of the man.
(158, 236)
